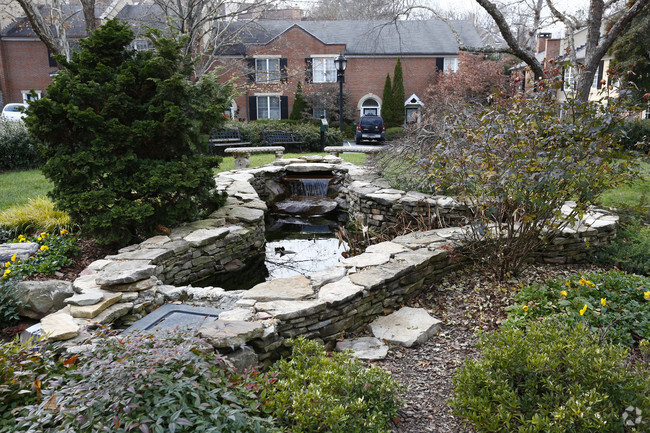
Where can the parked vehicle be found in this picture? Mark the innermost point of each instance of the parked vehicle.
(370, 128)
(13, 112)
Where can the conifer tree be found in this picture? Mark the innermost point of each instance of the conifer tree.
(299, 104)
(387, 108)
(397, 105)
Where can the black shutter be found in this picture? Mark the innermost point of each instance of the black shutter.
(51, 60)
(252, 108)
(309, 70)
(283, 70)
(563, 69)
(440, 64)
(284, 107)
(251, 69)
(599, 74)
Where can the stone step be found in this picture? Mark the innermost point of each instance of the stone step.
(405, 327)
(366, 348)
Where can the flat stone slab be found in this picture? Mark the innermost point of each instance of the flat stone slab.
(245, 214)
(405, 327)
(21, 250)
(155, 255)
(284, 310)
(173, 316)
(230, 333)
(136, 286)
(339, 291)
(371, 278)
(366, 348)
(320, 278)
(125, 272)
(88, 298)
(203, 237)
(91, 311)
(386, 248)
(241, 314)
(59, 326)
(364, 260)
(418, 239)
(288, 289)
(113, 313)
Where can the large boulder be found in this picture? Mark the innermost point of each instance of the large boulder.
(21, 250)
(40, 298)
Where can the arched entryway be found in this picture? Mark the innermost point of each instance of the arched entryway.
(370, 105)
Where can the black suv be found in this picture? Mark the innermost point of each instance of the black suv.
(370, 128)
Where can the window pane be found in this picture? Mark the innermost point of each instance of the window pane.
(262, 107)
(330, 70)
(274, 70)
(261, 75)
(274, 107)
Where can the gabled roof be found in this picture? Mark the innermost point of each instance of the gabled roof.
(74, 22)
(370, 37)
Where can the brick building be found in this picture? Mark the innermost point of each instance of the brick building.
(275, 55)
(270, 57)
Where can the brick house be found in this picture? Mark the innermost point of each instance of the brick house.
(271, 57)
(275, 55)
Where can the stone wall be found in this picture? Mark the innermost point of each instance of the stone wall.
(127, 286)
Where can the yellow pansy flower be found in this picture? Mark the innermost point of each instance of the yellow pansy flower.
(525, 308)
(39, 238)
(7, 264)
(603, 301)
(7, 272)
(563, 293)
(64, 232)
(45, 248)
(646, 295)
(13, 258)
(584, 310)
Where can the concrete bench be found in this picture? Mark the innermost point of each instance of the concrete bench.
(242, 154)
(337, 150)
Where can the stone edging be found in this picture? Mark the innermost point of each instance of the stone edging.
(324, 305)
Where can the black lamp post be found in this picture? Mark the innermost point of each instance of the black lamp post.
(341, 63)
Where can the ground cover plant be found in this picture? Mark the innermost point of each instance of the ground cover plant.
(614, 305)
(153, 384)
(320, 392)
(550, 377)
(125, 133)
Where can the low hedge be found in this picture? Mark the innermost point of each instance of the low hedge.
(17, 149)
(304, 131)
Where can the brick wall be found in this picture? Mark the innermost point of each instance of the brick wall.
(25, 67)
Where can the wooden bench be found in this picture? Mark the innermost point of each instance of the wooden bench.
(222, 138)
(281, 138)
(243, 154)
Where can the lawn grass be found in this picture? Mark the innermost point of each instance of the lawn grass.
(632, 195)
(257, 160)
(18, 187)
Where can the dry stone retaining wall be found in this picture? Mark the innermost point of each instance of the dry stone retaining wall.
(325, 305)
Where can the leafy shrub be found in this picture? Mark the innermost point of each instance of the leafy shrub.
(17, 149)
(145, 383)
(636, 136)
(38, 215)
(517, 166)
(630, 251)
(305, 131)
(24, 374)
(123, 132)
(551, 377)
(9, 303)
(616, 304)
(394, 133)
(317, 392)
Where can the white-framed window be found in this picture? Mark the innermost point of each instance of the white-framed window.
(27, 95)
(569, 78)
(142, 45)
(268, 107)
(370, 107)
(320, 112)
(267, 70)
(323, 69)
(450, 64)
(646, 113)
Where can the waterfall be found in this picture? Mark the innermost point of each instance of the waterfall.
(309, 187)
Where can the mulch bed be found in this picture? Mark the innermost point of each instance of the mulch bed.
(466, 301)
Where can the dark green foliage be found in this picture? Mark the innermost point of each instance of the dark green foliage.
(24, 373)
(387, 97)
(320, 392)
(299, 105)
(17, 149)
(623, 319)
(630, 251)
(150, 384)
(123, 134)
(636, 136)
(9, 302)
(630, 51)
(307, 132)
(553, 378)
(398, 97)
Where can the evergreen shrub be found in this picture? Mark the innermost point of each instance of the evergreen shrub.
(636, 136)
(124, 132)
(551, 377)
(17, 149)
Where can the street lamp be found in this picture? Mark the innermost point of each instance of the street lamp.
(340, 63)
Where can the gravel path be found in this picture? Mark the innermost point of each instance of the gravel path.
(466, 302)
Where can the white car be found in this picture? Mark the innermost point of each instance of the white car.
(13, 112)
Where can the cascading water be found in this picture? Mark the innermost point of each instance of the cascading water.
(309, 187)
